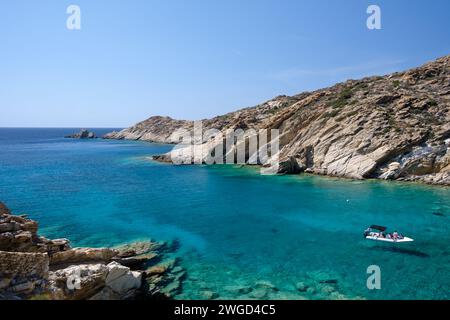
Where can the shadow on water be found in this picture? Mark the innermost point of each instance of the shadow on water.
(439, 214)
(411, 252)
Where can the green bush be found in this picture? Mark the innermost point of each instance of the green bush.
(343, 99)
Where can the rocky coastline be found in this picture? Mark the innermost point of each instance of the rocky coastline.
(36, 268)
(392, 127)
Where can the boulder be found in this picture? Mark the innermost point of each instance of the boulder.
(159, 269)
(115, 271)
(121, 280)
(209, 295)
(23, 265)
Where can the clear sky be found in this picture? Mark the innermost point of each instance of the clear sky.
(193, 59)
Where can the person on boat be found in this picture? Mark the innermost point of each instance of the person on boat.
(395, 235)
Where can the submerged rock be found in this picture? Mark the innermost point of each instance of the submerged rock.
(77, 282)
(259, 293)
(209, 295)
(301, 286)
(83, 255)
(171, 289)
(122, 280)
(266, 285)
(238, 289)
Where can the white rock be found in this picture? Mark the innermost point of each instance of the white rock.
(129, 281)
(394, 166)
(115, 271)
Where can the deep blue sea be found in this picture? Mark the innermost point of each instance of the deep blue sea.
(236, 227)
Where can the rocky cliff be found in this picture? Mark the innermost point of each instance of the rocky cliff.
(34, 267)
(389, 127)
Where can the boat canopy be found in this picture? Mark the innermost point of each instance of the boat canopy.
(379, 228)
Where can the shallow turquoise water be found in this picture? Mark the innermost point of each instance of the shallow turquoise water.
(235, 227)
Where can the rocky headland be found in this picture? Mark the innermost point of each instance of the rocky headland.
(34, 267)
(393, 127)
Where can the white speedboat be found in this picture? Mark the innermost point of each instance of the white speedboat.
(378, 233)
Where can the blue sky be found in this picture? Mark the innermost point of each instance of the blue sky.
(195, 59)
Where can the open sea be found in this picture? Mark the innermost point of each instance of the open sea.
(238, 230)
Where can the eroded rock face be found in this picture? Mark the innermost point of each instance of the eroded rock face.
(355, 129)
(18, 233)
(122, 280)
(22, 272)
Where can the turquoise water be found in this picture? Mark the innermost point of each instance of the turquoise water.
(235, 227)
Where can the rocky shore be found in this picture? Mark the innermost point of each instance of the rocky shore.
(393, 127)
(34, 267)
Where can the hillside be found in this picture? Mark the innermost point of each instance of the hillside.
(391, 127)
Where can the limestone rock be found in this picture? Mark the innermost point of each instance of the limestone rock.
(121, 280)
(266, 285)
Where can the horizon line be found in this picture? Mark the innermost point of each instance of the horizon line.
(81, 127)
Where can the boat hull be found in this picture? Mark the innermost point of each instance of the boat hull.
(375, 238)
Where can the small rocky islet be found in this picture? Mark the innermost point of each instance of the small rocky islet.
(83, 134)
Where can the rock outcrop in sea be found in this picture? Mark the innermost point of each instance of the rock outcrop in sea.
(83, 134)
(393, 127)
(34, 267)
